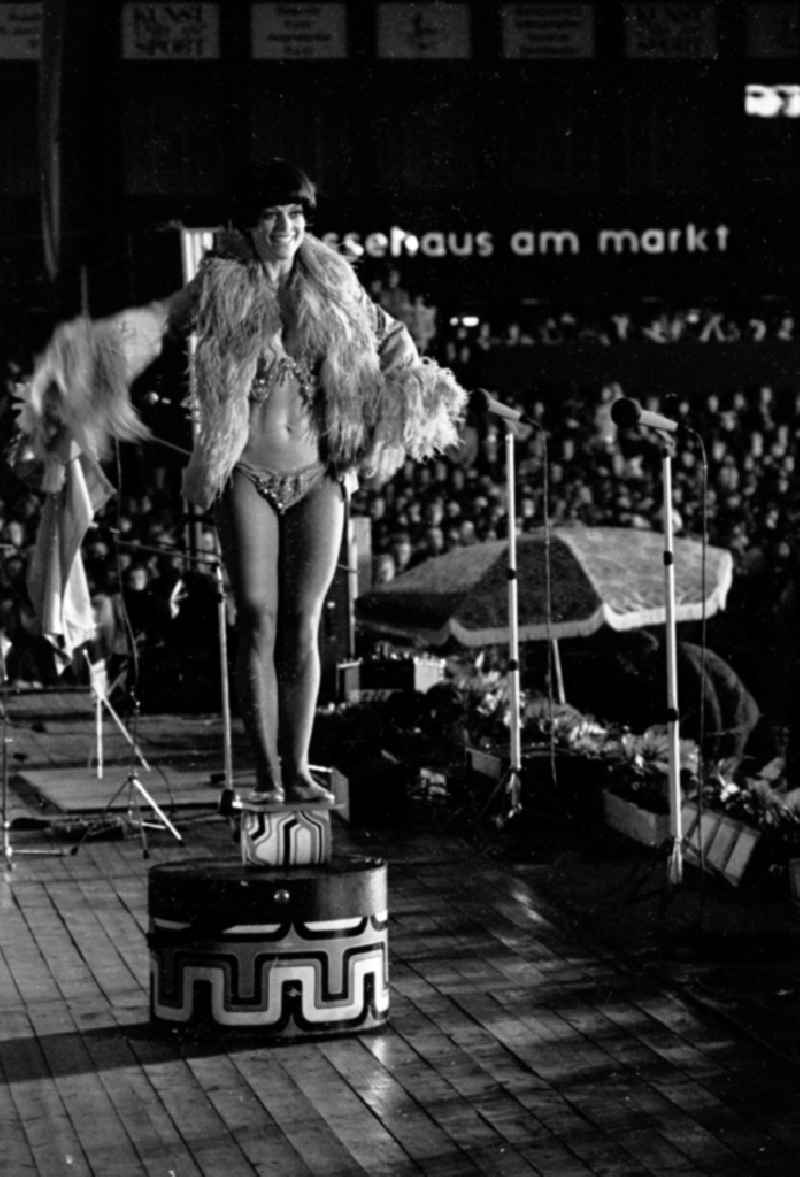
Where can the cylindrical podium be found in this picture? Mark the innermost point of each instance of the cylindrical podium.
(288, 951)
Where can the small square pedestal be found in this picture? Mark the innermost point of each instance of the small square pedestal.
(285, 834)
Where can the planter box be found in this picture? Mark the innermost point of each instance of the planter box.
(727, 844)
(697, 835)
(740, 854)
(642, 825)
(490, 764)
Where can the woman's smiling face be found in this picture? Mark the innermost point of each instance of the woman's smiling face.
(279, 232)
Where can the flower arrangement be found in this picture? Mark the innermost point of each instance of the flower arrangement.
(639, 767)
(569, 729)
(488, 706)
(763, 800)
(634, 765)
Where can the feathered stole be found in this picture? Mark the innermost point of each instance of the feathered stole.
(79, 386)
(378, 400)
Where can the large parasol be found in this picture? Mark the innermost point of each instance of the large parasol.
(599, 576)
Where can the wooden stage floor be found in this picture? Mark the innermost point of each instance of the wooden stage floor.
(514, 1048)
(53, 757)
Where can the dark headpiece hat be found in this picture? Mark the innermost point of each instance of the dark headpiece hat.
(275, 182)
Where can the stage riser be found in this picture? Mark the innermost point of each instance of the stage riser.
(285, 837)
(286, 953)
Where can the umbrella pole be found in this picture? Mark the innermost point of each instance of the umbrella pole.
(558, 671)
(675, 863)
(513, 786)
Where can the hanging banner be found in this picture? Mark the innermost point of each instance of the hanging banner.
(21, 32)
(548, 30)
(175, 32)
(773, 30)
(435, 30)
(670, 30)
(298, 31)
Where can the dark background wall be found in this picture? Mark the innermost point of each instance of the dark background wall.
(488, 145)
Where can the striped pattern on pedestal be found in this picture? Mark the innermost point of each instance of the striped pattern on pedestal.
(276, 835)
(288, 954)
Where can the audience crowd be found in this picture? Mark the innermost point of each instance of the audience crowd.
(465, 335)
(739, 489)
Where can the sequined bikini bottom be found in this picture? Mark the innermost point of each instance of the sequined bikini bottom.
(283, 491)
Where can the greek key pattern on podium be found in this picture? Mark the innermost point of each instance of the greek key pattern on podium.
(287, 979)
(285, 837)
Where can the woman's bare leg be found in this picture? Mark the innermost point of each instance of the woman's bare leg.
(311, 536)
(249, 534)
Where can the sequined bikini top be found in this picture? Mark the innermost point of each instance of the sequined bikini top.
(274, 366)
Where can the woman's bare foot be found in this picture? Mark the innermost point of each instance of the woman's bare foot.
(305, 788)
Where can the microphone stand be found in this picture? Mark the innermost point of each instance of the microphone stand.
(515, 424)
(628, 414)
(514, 782)
(228, 793)
(675, 859)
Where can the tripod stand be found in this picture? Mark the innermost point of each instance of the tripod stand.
(137, 793)
(227, 796)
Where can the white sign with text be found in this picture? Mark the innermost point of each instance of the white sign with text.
(671, 30)
(21, 32)
(773, 30)
(772, 102)
(548, 30)
(689, 239)
(173, 32)
(291, 32)
(437, 30)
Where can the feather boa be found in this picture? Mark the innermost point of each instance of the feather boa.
(420, 409)
(79, 385)
(378, 402)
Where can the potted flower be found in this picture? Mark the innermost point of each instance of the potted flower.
(636, 798)
(487, 718)
(740, 812)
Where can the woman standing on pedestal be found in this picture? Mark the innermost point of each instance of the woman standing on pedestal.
(302, 383)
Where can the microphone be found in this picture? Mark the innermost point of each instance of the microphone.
(497, 408)
(629, 414)
(515, 418)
